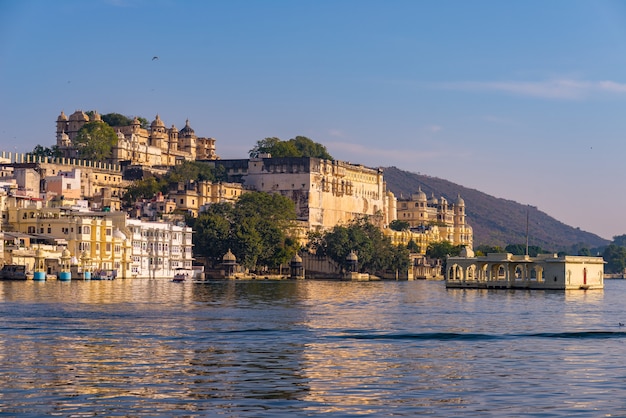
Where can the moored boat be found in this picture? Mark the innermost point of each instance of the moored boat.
(179, 277)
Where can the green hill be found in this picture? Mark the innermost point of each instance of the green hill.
(496, 221)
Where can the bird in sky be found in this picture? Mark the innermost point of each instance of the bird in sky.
(155, 58)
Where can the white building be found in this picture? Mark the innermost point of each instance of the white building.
(508, 271)
(158, 249)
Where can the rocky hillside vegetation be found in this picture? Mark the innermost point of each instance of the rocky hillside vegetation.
(497, 222)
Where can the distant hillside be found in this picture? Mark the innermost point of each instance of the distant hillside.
(496, 221)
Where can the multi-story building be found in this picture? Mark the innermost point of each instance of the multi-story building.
(434, 217)
(154, 146)
(325, 192)
(107, 240)
(159, 249)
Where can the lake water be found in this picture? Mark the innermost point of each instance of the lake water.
(268, 348)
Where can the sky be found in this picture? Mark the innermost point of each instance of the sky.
(523, 100)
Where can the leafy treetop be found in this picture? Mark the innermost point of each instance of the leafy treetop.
(95, 141)
(300, 146)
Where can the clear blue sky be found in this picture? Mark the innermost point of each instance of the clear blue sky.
(522, 100)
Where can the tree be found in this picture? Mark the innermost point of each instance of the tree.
(440, 250)
(257, 228)
(413, 247)
(40, 151)
(212, 237)
(482, 250)
(143, 189)
(309, 148)
(398, 225)
(620, 240)
(115, 119)
(300, 146)
(95, 141)
(263, 146)
(375, 251)
(615, 257)
(520, 249)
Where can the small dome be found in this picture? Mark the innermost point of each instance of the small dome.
(420, 196)
(119, 235)
(296, 259)
(39, 253)
(96, 117)
(84, 255)
(136, 122)
(460, 201)
(79, 115)
(187, 131)
(62, 117)
(433, 200)
(352, 256)
(66, 253)
(157, 123)
(229, 256)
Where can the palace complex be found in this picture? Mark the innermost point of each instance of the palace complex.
(65, 204)
(156, 146)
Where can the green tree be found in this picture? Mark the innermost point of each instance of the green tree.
(309, 148)
(375, 251)
(615, 258)
(115, 119)
(40, 151)
(413, 247)
(520, 249)
(482, 250)
(440, 250)
(212, 237)
(257, 228)
(95, 141)
(299, 146)
(143, 189)
(620, 240)
(264, 146)
(398, 225)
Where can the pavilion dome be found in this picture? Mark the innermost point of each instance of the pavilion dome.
(229, 257)
(187, 131)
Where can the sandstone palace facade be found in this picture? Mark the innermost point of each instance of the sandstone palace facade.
(156, 146)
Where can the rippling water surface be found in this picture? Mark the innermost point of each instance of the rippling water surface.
(267, 348)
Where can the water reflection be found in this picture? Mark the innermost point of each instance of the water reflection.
(302, 348)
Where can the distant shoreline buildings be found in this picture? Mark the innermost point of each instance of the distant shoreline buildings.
(52, 200)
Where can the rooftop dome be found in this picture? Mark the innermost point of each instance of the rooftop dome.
(157, 122)
(187, 131)
(66, 253)
(229, 256)
(62, 117)
(79, 115)
(296, 259)
(433, 200)
(460, 201)
(352, 256)
(419, 195)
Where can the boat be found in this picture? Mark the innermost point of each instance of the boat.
(180, 277)
(13, 272)
(103, 275)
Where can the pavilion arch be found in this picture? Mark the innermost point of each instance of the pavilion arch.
(470, 273)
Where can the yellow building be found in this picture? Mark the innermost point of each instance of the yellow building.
(84, 233)
(153, 146)
(434, 217)
(325, 192)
